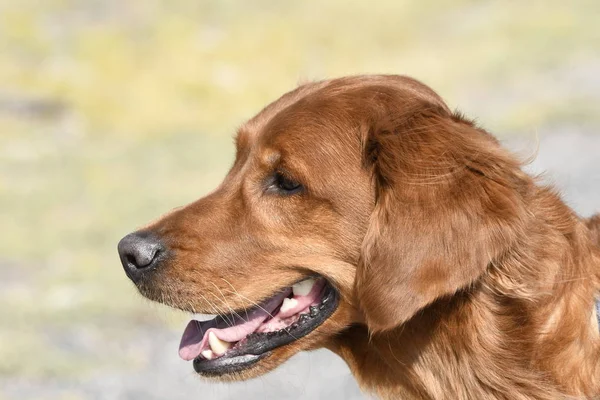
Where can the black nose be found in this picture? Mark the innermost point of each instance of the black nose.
(140, 252)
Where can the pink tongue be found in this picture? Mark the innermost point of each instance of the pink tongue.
(195, 336)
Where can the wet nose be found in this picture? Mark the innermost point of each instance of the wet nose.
(140, 252)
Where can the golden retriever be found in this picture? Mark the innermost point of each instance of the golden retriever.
(364, 216)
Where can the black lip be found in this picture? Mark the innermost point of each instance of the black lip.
(257, 346)
(226, 365)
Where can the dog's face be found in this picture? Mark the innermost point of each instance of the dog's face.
(321, 223)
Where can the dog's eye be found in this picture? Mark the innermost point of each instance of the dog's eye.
(284, 185)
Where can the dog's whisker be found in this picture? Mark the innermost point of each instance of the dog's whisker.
(253, 303)
(226, 302)
(238, 294)
(222, 311)
(215, 309)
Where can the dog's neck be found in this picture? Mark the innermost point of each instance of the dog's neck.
(526, 329)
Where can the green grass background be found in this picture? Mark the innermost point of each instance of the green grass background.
(113, 112)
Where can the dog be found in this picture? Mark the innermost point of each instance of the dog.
(362, 215)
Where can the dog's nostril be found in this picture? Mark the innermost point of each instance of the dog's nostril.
(132, 261)
(139, 251)
(142, 256)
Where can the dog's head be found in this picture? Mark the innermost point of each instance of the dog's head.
(359, 200)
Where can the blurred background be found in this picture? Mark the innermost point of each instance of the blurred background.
(113, 112)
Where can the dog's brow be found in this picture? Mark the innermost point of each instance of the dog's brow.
(270, 157)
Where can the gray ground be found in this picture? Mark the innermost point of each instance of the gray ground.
(569, 156)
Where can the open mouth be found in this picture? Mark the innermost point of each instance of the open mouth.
(233, 342)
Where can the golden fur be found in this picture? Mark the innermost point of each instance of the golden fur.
(460, 276)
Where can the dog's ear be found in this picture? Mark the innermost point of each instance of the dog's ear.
(447, 203)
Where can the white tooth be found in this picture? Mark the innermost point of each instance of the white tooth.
(203, 317)
(303, 288)
(218, 346)
(288, 304)
(208, 354)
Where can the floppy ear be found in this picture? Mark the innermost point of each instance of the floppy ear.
(447, 204)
